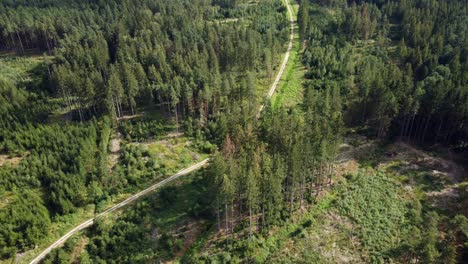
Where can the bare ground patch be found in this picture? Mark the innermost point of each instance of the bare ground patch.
(6, 160)
(78, 249)
(437, 171)
(115, 146)
(190, 232)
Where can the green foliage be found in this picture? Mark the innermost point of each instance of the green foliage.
(151, 229)
(379, 207)
(400, 72)
(23, 223)
(141, 130)
(111, 57)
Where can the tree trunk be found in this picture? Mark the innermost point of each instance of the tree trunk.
(403, 127)
(417, 129)
(47, 43)
(119, 103)
(250, 221)
(227, 224)
(364, 110)
(232, 217)
(425, 129)
(411, 126)
(131, 108)
(13, 42)
(302, 191)
(263, 215)
(21, 43)
(439, 129)
(218, 214)
(177, 119)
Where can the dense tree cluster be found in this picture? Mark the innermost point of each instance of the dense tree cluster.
(108, 58)
(113, 56)
(60, 162)
(24, 223)
(266, 171)
(400, 64)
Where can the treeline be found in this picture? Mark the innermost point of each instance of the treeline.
(62, 169)
(266, 171)
(401, 65)
(28, 213)
(199, 60)
(112, 56)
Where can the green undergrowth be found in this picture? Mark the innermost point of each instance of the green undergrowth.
(380, 208)
(145, 128)
(20, 70)
(160, 227)
(290, 87)
(369, 217)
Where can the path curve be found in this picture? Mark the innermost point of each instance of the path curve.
(185, 171)
(90, 222)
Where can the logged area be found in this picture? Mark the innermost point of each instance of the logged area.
(234, 131)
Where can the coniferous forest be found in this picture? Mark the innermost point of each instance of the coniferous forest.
(360, 156)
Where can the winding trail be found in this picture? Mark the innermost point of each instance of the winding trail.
(183, 172)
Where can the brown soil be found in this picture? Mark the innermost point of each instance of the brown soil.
(78, 249)
(190, 235)
(446, 170)
(453, 171)
(115, 150)
(127, 117)
(11, 161)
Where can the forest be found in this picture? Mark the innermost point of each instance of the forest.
(386, 79)
(72, 71)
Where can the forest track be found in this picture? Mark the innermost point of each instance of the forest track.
(134, 197)
(280, 73)
(185, 171)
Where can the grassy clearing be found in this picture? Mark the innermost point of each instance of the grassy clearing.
(18, 69)
(360, 220)
(379, 206)
(8, 160)
(6, 198)
(290, 92)
(320, 235)
(174, 153)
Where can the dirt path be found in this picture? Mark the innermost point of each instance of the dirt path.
(127, 117)
(192, 168)
(90, 222)
(286, 57)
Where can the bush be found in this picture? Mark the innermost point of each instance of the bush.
(377, 205)
(168, 195)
